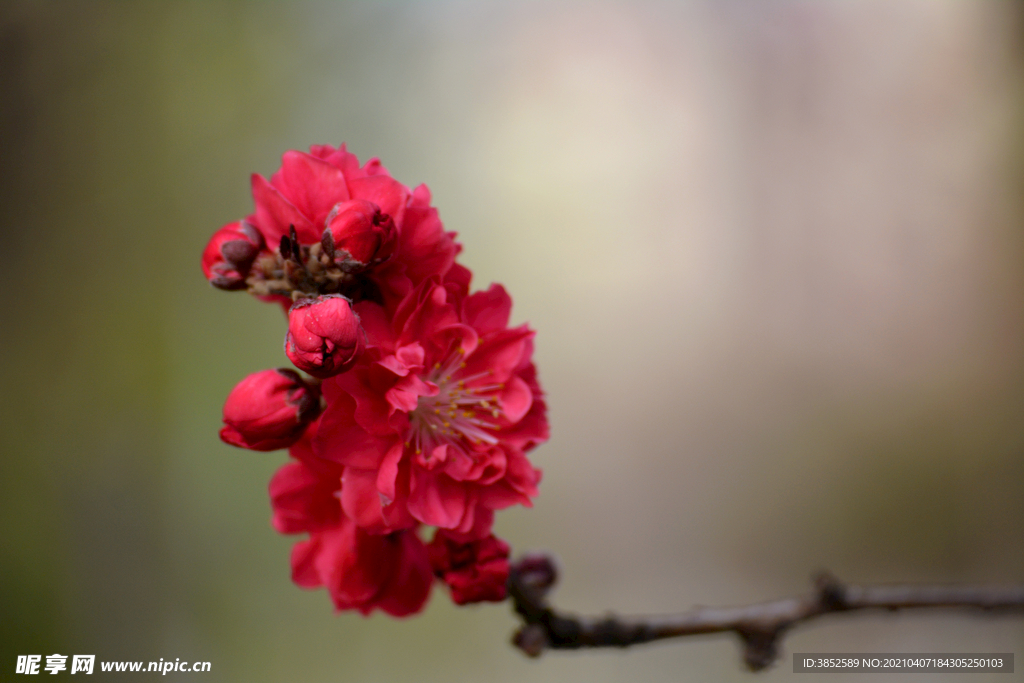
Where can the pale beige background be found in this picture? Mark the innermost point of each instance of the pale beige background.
(773, 253)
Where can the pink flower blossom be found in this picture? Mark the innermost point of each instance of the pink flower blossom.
(314, 191)
(431, 399)
(433, 422)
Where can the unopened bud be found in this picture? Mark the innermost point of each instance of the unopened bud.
(269, 410)
(358, 236)
(324, 335)
(230, 253)
(475, 572)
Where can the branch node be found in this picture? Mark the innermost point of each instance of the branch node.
(831, 591)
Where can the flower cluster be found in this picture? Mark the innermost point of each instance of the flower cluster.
(421, 402)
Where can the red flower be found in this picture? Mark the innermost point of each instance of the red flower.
(269, 410)
(360, 570)
(324, 337)
(314, 191)
(431, 400)
(475, 572)
(433, 422)
(229, 255)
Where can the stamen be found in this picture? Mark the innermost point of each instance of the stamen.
(470, 410)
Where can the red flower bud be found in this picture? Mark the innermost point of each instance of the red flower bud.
(324, 335)
(475, 572)
(269, 410)
(358, 236)
(230, 253)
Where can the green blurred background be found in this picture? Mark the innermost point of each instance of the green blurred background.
(774, 254)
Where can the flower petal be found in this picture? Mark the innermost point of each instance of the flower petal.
(436, 499)
(360, 500)
(384, 191)
(498, 354)
(312, 185)
(408, 588)
(516, 399)
(342, 440)
(423, 245)
(489, 310)
(274, 215)
(406, 394)
(303, 501)
(304, 572)
(387, 475)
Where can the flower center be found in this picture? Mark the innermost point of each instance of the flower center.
(458, 413)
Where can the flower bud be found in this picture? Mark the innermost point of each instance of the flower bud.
(269, 410)
(358, 236)
(475, 572)
(230, 253)
(324, 335)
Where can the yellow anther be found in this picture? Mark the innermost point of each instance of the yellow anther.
(437, 366)
(437, 411)
(447, 425)
(462, 365)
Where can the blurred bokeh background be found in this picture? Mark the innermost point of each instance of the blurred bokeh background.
(774, 253)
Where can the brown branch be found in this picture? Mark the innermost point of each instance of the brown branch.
(760, 627)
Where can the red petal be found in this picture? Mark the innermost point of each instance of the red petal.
(432, 312)
(499, 353)
(377, 325)
(303, 501)
(423, 245)
(516, 399)
(342, 440)
(304, 572)
(521, 475)
(409, 586)
(436, 499)
(489, 310)
(384, 191)
(405, 395)
(312, 185)
(360, 500)
(387, 474)
(274, 214)
(351, 565)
